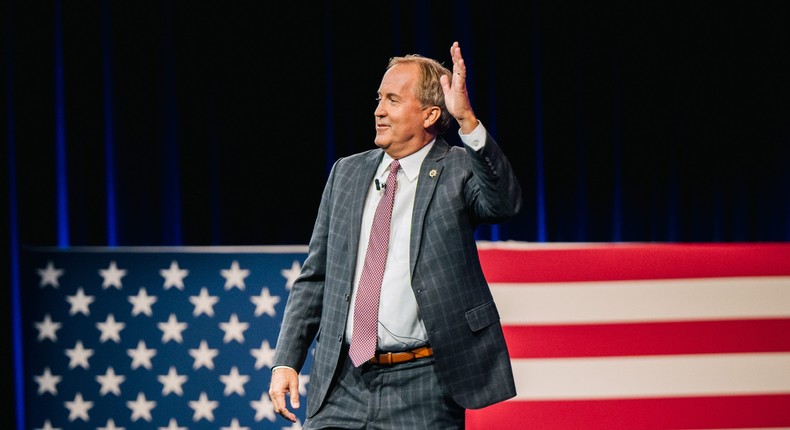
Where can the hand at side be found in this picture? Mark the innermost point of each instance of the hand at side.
(284, 381)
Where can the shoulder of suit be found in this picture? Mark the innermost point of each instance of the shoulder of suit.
(364, 156)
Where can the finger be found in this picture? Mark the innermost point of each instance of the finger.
(288, 415)
(459, 71)
(277, 395)
(294, 388)
(282, 410)
(278, 399)
(278, 403)
(455, 53)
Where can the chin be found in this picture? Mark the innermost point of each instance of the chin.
(381, 144)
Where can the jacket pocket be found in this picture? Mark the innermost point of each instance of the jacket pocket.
(482, 316)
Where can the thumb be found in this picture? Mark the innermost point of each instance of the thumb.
(444, 80)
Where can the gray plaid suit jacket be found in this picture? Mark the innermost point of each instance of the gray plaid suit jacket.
(457, 189)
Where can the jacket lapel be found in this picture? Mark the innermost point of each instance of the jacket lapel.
(430, 172)
(361, 176)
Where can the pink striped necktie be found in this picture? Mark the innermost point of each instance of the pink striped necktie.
(366, 309)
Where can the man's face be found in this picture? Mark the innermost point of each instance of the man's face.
(400, 121)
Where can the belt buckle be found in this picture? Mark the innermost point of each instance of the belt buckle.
(384, 358)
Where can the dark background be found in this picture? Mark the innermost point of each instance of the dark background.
(216, 123)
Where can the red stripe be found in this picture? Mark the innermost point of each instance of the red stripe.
(699, 337)
(629, 414)
(635, 261)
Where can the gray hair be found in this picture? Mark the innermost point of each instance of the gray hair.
(429, 88)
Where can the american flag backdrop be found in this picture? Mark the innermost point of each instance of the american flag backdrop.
(154, 338)
(602, 336)
(643, 336)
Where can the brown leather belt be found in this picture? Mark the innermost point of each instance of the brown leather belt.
(401, 357)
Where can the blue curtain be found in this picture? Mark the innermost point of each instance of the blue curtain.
(216, 124)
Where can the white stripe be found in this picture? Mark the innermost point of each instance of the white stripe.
(648, 300)
(652, 376)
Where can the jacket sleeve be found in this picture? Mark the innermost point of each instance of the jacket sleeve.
(493, 191)
(305, 301)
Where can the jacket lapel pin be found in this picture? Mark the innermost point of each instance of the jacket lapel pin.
(432, 173)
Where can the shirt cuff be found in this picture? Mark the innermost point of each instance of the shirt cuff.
(476, 139)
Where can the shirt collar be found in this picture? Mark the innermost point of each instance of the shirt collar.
(410, 164)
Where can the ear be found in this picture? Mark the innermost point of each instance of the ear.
(432, 115)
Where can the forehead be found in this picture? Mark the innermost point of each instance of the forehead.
(399, 80)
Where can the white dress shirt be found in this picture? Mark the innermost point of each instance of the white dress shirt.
(400, 327)
(408, 327)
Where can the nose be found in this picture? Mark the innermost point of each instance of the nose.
(379, 111)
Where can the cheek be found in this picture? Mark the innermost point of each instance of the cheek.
(408, 119)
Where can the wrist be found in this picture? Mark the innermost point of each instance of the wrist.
(468, 125)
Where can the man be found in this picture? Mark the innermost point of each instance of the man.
(439, 347)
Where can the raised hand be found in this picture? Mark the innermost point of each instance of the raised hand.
(456, 98)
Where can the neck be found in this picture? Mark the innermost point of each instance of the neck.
(405, 150)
